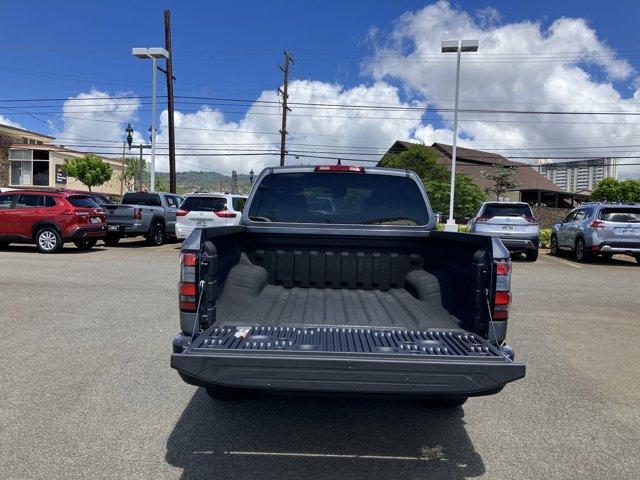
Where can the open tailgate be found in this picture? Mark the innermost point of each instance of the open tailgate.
(346, 359)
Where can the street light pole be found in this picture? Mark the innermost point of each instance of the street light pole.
(449, 46)
(152, 170)
(153, 54)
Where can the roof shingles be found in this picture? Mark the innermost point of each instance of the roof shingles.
(474, 162)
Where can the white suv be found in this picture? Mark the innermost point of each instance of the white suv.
(208, 210)
(511, 222)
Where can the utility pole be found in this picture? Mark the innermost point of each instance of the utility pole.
(234, 182)
(285, 97)
(170, 105)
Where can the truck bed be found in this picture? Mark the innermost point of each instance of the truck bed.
(246, 300)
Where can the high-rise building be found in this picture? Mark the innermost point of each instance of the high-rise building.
(578, 175)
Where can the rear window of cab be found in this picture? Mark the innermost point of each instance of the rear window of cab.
(339, 198)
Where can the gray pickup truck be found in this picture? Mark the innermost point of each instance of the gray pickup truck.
(365, 297)
(148, 214)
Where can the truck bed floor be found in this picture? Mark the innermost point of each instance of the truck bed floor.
(276, 305)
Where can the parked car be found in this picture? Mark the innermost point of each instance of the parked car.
(99, 198)
(601, 229)
(49, 218)
(148, 214)
(208, 210)
(513, 223)
(365, 298)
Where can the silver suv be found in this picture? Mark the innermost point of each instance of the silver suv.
(599, 229)
(511, 222)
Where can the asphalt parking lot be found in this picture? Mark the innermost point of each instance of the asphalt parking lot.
(87, 392)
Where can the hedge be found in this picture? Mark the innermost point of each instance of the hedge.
(545, 233)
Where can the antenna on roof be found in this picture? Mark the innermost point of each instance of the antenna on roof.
(339, 162)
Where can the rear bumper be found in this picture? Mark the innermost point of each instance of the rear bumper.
(289, 372)
(183, 231)
(526, 243)
(126, 228)
(97, 231)
(515, 242)
(344, 372)
(629, 248)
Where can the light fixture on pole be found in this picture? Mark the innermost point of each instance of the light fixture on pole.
(154, 54)
(129, 131)
(456, 46)
(141, 146)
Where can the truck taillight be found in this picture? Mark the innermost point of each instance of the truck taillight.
(137, 214)
(531, 219)
(483, 218)
(598, 225)
(339, 168)
(187, 288)
(502, 299)
(182, 213)
(225, 214)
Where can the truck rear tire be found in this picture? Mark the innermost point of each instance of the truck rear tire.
(156, 235)
(111, 240)
(532, 255)
(223, 393)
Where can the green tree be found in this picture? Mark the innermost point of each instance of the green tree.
(501, 178)
(607, 190)
(89, 169)
(437, 180)
(162, 185)
(630, 191)
(134, 171)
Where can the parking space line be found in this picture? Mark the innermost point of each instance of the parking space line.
(561, 261)
(321, 455)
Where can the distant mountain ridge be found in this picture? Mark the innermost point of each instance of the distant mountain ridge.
(192, 181)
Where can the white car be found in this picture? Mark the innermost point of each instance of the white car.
(208, 210)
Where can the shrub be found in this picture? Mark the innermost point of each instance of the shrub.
(461, 228)
(545, 237)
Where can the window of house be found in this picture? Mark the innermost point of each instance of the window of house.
(41, 154)
(20, 173)
(29, 167)
(41, 173)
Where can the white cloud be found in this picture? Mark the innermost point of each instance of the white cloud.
(519, 66)
(5, 121)
(316, 130)
(97, 118)
(207, 139)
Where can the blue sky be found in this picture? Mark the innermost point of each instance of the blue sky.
(231, 49)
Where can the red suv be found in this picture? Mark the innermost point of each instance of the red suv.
(49, 218)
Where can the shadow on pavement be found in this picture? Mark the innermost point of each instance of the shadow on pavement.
(241, 439)
(141, 242)
(67, 249)
(619, 260)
